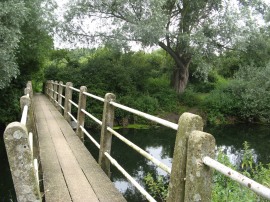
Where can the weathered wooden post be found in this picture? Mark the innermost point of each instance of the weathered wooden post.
(187, 123)
(55, 90)
(46, 91)
(60, 93)
(48, 88)
(51, 90)
(21, 163)
(199, 176)
(68, 96)
(81, 115)
(106, 136)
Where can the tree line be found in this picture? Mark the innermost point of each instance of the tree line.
(213, 56)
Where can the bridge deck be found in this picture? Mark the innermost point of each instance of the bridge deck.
(70, 173)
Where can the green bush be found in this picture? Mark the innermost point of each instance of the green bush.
(246, 96)
(190, 98)
(223, 188)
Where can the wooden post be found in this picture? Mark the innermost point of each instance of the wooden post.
(55, 89)
(187, 123)
(46, 92)
(199, 176)
(21, 163)
(81, 115)
(68, 96)
(50, 90)
(60, 92)
(106, 136)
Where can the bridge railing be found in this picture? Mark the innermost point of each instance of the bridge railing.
(22, 151)
(190, 175)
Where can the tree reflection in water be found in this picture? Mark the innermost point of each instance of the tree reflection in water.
(159, 142)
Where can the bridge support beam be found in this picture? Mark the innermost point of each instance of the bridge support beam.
(106, 136)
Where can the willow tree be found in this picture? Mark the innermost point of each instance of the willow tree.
(185, 29)
(12, 16)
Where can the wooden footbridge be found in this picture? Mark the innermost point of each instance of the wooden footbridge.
(49, 162)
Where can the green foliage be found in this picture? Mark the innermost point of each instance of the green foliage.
(24, 46)
(158, 188)
(246, 96)
(188, 31)
(139, 80)
(223, 188)
(12, 17)
(10, 104)
(226, 189)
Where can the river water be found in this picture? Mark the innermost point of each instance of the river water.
(159, 142)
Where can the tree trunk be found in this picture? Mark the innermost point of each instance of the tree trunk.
(180, 74)
(179, 79)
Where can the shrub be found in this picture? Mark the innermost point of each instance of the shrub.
(246, 96)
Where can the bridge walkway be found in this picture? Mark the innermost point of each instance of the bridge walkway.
(70, 173)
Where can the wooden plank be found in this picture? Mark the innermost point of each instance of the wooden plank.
(69, 170)
(77, 183)
(53, 179)
(103, 187)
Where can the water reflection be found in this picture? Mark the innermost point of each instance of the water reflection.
(235, 155)
(159, 142)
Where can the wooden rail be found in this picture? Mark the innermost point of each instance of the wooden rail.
(191, 177)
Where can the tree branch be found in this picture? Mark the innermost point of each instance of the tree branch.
(172, 53)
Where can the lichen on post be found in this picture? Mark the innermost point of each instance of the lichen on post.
(187, 123)
(106, 136)
(68, 96)
(199, 176)
(60, 93)
(21, 163)
(81, 115)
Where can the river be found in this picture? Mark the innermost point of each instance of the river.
(160, 143)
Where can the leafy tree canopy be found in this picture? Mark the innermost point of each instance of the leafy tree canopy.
(12, 16)
(186, 30)
(24, 28)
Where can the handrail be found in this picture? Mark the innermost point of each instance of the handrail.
(23, 162)
(134, 182)
(238, 177)
(121, 169)
(141, 151)
(191, 127)
(94, 96)
(147, 116)
(24, 115)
